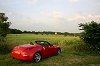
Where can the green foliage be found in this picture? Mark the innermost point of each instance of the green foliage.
(4, 30)
(15, 31)
(3, 18)
(4, 48)
(91, 34)
(4, 25)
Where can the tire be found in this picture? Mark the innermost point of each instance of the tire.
(58, 51)
(37, 57)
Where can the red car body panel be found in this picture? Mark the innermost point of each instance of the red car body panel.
(27, 51)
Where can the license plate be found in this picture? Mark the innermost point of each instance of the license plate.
(17, 52)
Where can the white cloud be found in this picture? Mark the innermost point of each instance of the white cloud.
(73, 1)
(57, 14)
(32, 1)
(98, 4)
(53, 13)
(57, 17)
(84, 18)
(5, 2)
(75, 18)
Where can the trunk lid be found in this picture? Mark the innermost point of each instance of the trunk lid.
(23, 47)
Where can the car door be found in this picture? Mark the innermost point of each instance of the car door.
(48, 49)
(52, 50)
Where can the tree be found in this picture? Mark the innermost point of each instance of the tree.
(15, 31)
(4, 25)
(91, 34)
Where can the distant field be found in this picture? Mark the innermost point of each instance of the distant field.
(69, 55)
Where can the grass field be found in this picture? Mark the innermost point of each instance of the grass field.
(72, 54)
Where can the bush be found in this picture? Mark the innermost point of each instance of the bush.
(91, 34)
(4, 48)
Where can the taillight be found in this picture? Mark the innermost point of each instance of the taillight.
(17, 52)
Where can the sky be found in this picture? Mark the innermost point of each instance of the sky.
(50, 15)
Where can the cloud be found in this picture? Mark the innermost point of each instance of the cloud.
(75, 18)
(73, 1)
(57, 14)
(58, 17)
(7, 2)
(98, 4)
(31, 1)
(53, 13)
(84, 18)
(51, 16)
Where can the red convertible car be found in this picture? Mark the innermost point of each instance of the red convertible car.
(35, 52)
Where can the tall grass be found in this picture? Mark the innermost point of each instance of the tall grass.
(62, 41)
(69, 42)
(72, 42)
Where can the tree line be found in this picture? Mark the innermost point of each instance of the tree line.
(17, 31)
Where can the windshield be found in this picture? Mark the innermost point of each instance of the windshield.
(43, 43)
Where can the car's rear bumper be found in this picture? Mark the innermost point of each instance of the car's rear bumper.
(21, 57)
